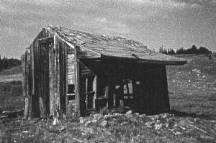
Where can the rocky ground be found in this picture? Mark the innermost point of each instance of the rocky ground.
(116, 127)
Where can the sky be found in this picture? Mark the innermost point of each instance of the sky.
(171, 23)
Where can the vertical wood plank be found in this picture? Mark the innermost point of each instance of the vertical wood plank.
(66, 86)
(95, 89)
(35, 95)
(62, 70)
(57, 77)
(30, 79)
(51, 80)
(77, 83)
(25, 83)
(86, 92)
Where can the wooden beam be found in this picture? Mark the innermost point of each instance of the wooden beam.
(143, 61)
(46, 40)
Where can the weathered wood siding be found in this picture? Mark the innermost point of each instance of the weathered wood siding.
(26, 83)
(39, 93)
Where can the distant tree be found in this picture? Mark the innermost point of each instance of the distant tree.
(170, 52)
(6, 63)
(193, 50)
(180, 51)
(203, 50)
(162, 50)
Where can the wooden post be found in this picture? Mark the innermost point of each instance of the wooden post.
(107, 95)
(57, 77)
(34, 62)
(86, 92)
(52, 80)
(77, 83)
(95, 89)
(25, 83)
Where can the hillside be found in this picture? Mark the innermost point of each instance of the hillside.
(12, 74)
(192, 87)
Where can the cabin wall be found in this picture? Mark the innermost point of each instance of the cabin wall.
(63, 79)
(151, 94)
(50, 71)
(38, 75)
(39, 100)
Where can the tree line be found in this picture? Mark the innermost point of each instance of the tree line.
(192, 50)
(6, 63)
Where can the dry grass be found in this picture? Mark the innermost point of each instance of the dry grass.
(131, 128)
(192, 87)
(11, 95)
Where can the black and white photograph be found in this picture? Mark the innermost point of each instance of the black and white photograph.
(107, 71)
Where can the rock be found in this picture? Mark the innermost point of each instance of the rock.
(149, 124)
(104, 123)
(97, 116)
(207, 137)
(177, 133)
(87, 123)
(129, 112)
(196, 70)
(107, 116)
(55, 121)
(25, 132)
(81, 120)
(158, 126)
(142, 115)
(167, 125)
(124, 123)
(116, 114)
(94, 121)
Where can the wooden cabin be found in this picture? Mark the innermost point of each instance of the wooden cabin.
(68, 72)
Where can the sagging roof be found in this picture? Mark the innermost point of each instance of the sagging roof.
(114, 47)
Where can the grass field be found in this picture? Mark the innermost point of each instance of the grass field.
(192, 91)
(192, 87)
(11, 89)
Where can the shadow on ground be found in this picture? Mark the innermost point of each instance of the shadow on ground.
(192, 115)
